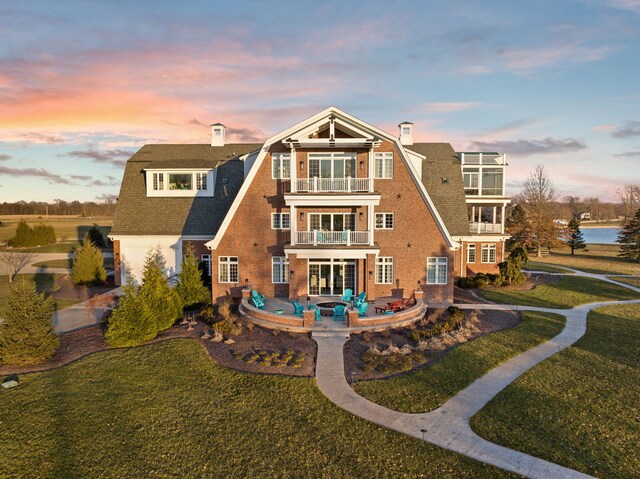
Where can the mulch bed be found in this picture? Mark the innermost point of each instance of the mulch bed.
(83, 342)
(490, 322)
(69, 291)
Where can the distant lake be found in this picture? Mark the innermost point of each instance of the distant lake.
(600, 235)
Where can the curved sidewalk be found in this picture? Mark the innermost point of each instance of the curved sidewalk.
(448, 426)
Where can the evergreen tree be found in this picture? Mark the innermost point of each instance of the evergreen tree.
(23, 236)
(26, 329)
(157, 294)
(131, 322)
(36, 236)
(629, 238)
(575, 240)
(96, 237)
(190, 288)
(88, 264)
(511, 269)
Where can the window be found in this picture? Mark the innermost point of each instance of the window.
(332, 221)
(492, 181)
(332, 165)
(158, 181)
(384, 270)
(383, 165)
(437, 270)
(280, 221)
(281, 166)
(201, 181)
(217, 132)
(384, 221)
(180, 181)
(488, 252)
(228, 269)
(206, 259)
(471, 253)
(406, 130)
(280, 269)
(471, 176)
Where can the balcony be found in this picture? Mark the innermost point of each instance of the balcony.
(478, 228)
(485, 191)
(477, 158)
(331, 185)
(340, 238)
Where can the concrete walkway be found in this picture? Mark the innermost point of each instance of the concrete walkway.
(79, 316)
(448, 426)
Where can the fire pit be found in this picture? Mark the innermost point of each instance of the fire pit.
(326, 307)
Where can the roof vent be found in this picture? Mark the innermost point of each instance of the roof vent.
(406, 133)
(217, 134)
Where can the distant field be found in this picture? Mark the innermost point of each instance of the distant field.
(596, 258)
(67, 227)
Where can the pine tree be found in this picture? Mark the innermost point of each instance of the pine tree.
(131, 322)
(26, 330)
(23, 236)
(629, 238)
(157, 294)
(190, 288)
(96, 237)
(88, 264)
(575, 239)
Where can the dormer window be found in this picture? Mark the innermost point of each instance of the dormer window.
(180, 183)
(158, 181)
(406, 130)
(217, 132)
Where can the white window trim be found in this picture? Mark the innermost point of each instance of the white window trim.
(438, 262)
(228, 262)
(475, 252)
(387, 266)
(344, 221)
(194, 191)
(384, 156)
(279, 158)
(206, 259)
(282, 261)
(384, 221)
(489, 247)
(280, 217)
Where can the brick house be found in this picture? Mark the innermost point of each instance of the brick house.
(328, 204)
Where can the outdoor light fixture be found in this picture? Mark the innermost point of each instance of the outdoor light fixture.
(362, 165)
(370, 274)
(397, 283)
(246, 283)
(419, 283)
(361, 215)
(301, 215)
(308, 301)
(291, 273)
(301, 165)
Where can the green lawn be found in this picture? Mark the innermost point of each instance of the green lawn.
(167, 410)
(599, 259)
(66, 227)
(45, 283)
(580, 407)
(426, 389)
(631, 281)
(535, 266)
(50, 248)
(68, 263)
(570, 291)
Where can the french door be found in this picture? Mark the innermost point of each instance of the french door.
(331, 277)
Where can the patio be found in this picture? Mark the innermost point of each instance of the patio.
(375, 320)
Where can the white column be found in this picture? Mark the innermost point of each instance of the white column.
(371, 221)
(502, 220)
(294, 170)
(371, 169)
(293, 226)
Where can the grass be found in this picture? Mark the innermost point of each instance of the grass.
(426, 389)
(570, 291)
(68, 263)
(580, 407)
(535, 266)
(599, 259)
(630, 281)
(167, 410)
(71, 227)
(45, 283)
(50, 248)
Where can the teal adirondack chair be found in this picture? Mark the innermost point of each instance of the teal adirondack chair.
(258, 299)
(339, 314)
(362, 309)
(313, 307)
(297, 308)
(360, 299)
(347, 296)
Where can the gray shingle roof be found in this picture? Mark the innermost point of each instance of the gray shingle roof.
(448, 197)
(137, 214)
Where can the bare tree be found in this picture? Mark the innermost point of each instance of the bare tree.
(629, 196)
(12, 263)
(537, 197)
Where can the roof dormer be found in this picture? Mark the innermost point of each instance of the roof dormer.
(217, 134)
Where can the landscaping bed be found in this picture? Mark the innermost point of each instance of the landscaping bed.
(359, 344)
(580, 407)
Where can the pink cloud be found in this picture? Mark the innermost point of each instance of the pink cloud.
(447, 107)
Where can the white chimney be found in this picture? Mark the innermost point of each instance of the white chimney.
(406, 133)
(217, 134)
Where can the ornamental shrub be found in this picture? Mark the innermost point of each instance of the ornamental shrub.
(158, 296)
(88, 264)
(32, 236)
(190, 288)
(26, 329)
(131, 323)
(96, 237)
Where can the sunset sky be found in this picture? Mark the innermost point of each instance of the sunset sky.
(84, 84)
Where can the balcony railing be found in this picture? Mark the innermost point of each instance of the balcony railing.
(485, 191)
(477, 158)
(320, 237)
(485, 227)
(330, 185)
